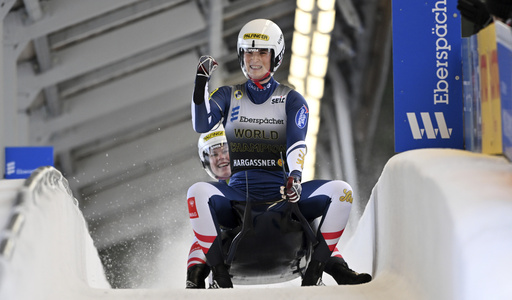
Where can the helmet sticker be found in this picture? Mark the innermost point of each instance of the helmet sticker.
(252, 49)
(213, 134)
(258, 36)
(301, 118)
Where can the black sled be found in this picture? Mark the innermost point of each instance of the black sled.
(272, 244)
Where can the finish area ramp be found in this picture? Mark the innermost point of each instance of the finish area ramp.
(437, 226)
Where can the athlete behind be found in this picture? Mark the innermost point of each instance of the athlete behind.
(266, 126)
(214, 156)
(214, 153)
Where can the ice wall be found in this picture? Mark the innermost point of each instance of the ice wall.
(47, 251)
(441, 221)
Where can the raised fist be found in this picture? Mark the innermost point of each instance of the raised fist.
(206, 66)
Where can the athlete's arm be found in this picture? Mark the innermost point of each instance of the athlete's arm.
(208, 110)
(297, 113)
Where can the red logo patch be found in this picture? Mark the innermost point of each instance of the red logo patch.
(192, 209)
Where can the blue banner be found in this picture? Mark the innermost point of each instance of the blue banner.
(504, 46)
(20, 162)
(427, 75)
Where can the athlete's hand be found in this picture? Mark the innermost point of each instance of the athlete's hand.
(293, 189)
(283, 192)
(206, 66)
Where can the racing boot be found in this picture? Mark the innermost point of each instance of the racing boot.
(313, 275)
(221, 277)
(196, 276)
(338, 268)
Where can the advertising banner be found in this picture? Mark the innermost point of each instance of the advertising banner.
(489, 90)
(471, 91)
(504, 47)
(427, 67)
(20, 162)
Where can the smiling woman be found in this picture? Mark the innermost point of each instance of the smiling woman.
(219, 161)
(265, 125)
(257, 64)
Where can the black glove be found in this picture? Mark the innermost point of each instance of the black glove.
(206, 66)
(293, 189)
(475, 11)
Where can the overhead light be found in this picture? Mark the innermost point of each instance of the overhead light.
(301, 44)
(309, 63)
(298, 84)
(313, 104)
(303, 21)
(306, 5)
(321, 42)
(325, 23)
(299, 66)
(309, 163)
(315, 87)
(325, 4)
(311, 146)
(314, 115)
(318, 65)
(313, 128)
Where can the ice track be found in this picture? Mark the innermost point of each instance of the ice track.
(438, 226)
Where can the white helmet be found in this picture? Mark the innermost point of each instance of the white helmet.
(207, 145)
(261, 33)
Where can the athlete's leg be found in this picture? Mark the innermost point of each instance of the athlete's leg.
(332, 201)
(196, 255)
(337, 267)
(209, 205)
(201, 219)
(197, 269)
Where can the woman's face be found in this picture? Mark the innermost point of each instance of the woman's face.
(219, 161)
(257, 62)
